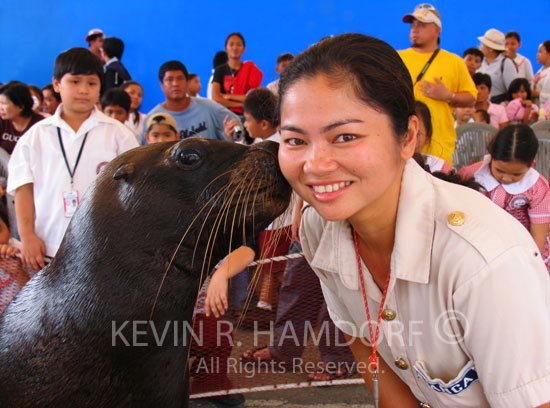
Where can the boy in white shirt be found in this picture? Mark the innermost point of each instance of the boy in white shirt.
(53, 164)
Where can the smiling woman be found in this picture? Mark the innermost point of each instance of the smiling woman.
(393, 246)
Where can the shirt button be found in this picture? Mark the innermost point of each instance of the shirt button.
(401, 364)
(456, 218)
(388, 314)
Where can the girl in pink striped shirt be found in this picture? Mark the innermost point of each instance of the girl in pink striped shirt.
(513, 184)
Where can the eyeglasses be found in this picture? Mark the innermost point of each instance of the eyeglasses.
(425, 6)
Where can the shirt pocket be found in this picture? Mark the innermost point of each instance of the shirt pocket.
(464, 390)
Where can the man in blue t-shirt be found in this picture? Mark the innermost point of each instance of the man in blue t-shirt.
(194, 116)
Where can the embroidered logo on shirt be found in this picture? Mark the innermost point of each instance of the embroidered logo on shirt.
(517, 202)
(465, 378)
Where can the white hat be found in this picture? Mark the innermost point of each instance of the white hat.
(425, 13)
(493, 39)
(93, 31)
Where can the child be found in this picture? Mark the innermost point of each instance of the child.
(541, 82)
(12, 274)
(261, 122)
(51, 99)
(497, 112)
(115, 103)
(424, 138)
(520, 108)
(463, 115)
(512, 43)
(282, 61)
(193, 85)
(161, 127)
(473, 58)
(47, 179)
(481, 116)
(115, 72)
(513, 184)
(136, 120)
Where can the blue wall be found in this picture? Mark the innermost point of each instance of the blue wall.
(33, 32)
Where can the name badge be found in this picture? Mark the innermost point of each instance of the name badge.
(461, 382)
(70, 202)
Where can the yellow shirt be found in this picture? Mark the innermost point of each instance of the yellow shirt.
(450, 69)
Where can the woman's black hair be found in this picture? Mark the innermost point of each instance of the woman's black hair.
(370, 66)
(516, 85)
(236, 34)
(514, 143)
(20, 95)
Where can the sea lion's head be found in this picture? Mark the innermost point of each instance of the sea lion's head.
(196, 199)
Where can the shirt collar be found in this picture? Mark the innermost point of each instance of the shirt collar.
(411, 256)
(109, 63)
(484, 177)
(92, 121)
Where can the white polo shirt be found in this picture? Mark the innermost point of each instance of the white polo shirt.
(471, 302)
(37, 158)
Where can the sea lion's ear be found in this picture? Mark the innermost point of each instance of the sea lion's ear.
(124, 172)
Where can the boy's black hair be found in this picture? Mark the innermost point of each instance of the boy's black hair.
(482, 79)
(77, 61)
(191, 76)
(473, 51)
(261, 104)
(173, 65)
(113, 47)
(513, 34)
(49, 87)
(20, 95)
(116, 96)
(287, 56)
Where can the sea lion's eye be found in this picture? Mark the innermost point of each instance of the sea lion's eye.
(189, 158)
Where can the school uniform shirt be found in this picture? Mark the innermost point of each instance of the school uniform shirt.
(498, 114)
(525, 68)
(527, 200)
(38, 159)
(437, 163)
(468, 305)
(542, 84)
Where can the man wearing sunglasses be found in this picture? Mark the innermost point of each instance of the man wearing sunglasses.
(441, 79)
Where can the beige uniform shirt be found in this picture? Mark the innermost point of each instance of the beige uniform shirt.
(470, 303)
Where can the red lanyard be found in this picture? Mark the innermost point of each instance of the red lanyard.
(373, 360)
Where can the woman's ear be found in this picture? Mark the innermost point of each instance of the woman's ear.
(408, 145)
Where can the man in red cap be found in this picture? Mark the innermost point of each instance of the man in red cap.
(440, 78)
(95, 41)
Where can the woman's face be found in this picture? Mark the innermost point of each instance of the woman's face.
(234, 47)
(8, 111)
(340, 155)
(136, 96)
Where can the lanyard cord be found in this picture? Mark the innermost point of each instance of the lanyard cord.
(373, 336)
(73, 171)
(419, 77)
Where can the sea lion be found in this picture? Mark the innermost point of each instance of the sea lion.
(155, 220)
